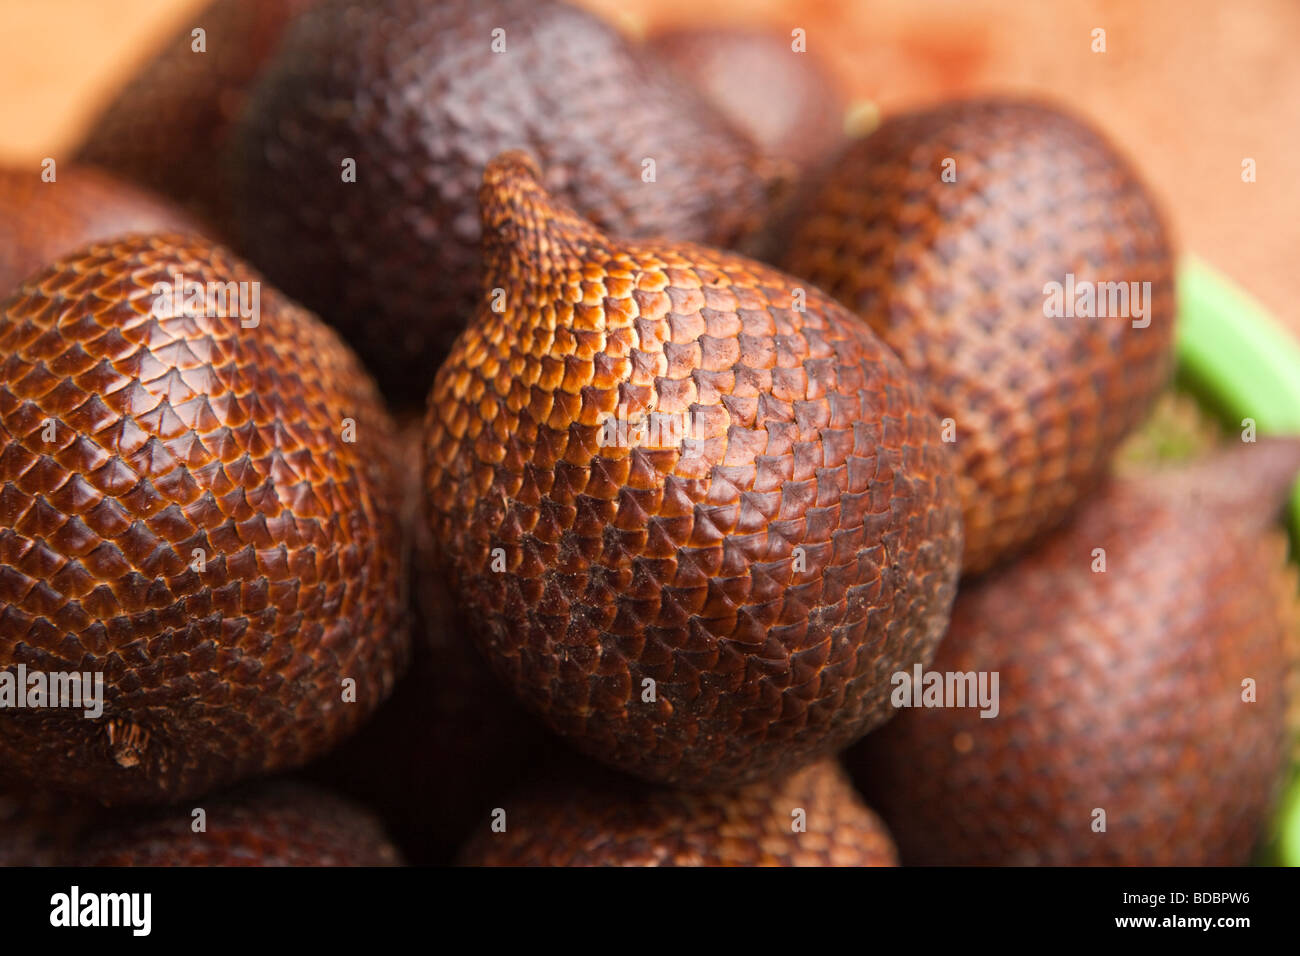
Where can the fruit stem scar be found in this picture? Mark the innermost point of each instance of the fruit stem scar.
(127, 742)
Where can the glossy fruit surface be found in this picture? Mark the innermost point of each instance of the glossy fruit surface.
(275, 824)
(203, 513)
(1155, 691)
(41, 221)
(812, 818)
(944, 230)
(418, 97)
(697, 514)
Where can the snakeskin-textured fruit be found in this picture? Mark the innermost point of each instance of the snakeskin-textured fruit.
(697, 514)
(452, 740)
(785, 100)
(954, 275)
(275, 824)
(811, 818)
(168, 128)
(203, 513)
(420, 96)
(40, 221)
(1121, 691)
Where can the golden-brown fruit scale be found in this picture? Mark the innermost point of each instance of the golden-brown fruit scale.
(811, 818)
(201, 512)
(944, 229)
(704, 606)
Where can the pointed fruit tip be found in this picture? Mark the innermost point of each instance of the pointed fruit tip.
(515, 165)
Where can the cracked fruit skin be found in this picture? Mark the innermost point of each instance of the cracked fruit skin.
(703, 608)
(620, 822)
(281, 823)
(415, 93)
(180, 511)
(40, 221)
(1119, 690)
(952, 276)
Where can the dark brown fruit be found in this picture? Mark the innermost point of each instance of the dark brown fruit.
(1120, 691)
(40, 221)
(277, 824)
(952, 275)
(452, 740)
(40, 830)
(787, 102)
(783, 538)
(168, 128)
(442, 752)
(181, 510)
(617, 822)
(414, 93)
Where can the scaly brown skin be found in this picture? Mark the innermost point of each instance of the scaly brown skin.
(787, 102)
(127, 443)
(168, 128)
(441, 752)
(41, 221)
(616, 822)
(952, 276)
(414, 93)
(766, 567)
(276, 824)
(1120, 691)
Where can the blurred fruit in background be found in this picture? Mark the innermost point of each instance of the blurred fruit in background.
(1192, 87)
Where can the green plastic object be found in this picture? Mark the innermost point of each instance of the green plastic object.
(1236, 359)
(1287, 848)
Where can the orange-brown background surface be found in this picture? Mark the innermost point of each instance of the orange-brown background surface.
(1187, 87)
